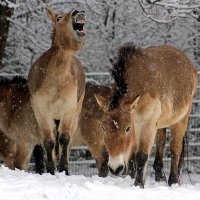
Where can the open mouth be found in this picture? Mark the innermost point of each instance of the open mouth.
(79, 22)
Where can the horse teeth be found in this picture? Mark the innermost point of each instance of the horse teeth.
(80, 22)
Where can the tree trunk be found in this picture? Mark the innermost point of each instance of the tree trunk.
(5, 12)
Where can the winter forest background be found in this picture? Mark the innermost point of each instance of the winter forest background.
(25, 33)
(110, 23)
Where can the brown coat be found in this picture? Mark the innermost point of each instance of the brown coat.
(154, 88)
(57, 83)
(18, 127)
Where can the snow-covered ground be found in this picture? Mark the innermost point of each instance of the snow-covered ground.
(19, 185)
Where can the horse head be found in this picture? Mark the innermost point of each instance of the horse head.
(119, 133)
(69, 30)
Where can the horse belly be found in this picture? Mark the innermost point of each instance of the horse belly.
(65, 105)
(168, 117)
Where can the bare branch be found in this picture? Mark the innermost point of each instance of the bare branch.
(92, 9)
(154, 19)
(175, 9)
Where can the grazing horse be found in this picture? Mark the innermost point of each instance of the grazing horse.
(57, 85)
(89, 133)
(154, 88)
(89, 129)
(19, 132)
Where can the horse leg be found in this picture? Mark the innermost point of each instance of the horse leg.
(144, 149)
(10, 163)
(65, 134)
(38, 154)
(102, 162)
(49, 144)
(46, 126)
(67, 128)
(158, 163)
(64, 140)
(177, 134)
(9, 154)
(23, 156)
(132, 166)
(93, 139)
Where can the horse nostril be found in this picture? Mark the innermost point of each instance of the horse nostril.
(111, 170)
(117, 171)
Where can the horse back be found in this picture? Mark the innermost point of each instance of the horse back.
(165, 73)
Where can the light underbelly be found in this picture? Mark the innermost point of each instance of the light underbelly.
(55, 106)
(169, 117)
(63, 106)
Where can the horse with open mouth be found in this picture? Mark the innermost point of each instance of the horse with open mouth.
(153, 89)
(57, 85)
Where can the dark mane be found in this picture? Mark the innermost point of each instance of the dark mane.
(118, 73)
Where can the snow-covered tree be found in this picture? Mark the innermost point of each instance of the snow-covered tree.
(110, 24)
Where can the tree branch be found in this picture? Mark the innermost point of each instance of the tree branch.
(183, 9)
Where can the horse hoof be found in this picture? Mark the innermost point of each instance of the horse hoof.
(63, 169)
(160, 177)
(40, 171)
(51, 172)
(139, 183)
(132, 174)
(172, 180)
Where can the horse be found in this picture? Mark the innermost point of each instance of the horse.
(153, 89)
(89, 133)
(19, 133)
(88, 128)
(56, 83)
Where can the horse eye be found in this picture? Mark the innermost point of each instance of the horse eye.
(58, 18)
(127, 129)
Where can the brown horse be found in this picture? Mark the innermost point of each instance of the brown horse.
(154, 88)
(57, 83)
(18, 127)
(89, 129)
(89, 133)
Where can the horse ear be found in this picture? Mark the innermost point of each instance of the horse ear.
(51, 14)
(135, 102)
(102, 102)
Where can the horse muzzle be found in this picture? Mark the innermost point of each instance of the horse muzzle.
(117, 165)
(119, 171)
(78, 22)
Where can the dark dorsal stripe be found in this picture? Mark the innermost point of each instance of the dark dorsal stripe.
(118, 73)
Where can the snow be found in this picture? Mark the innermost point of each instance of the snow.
(20, 185)
(8, 3)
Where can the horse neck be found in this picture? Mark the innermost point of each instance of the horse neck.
(63, 61)
(61, 53)
(60, 44)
